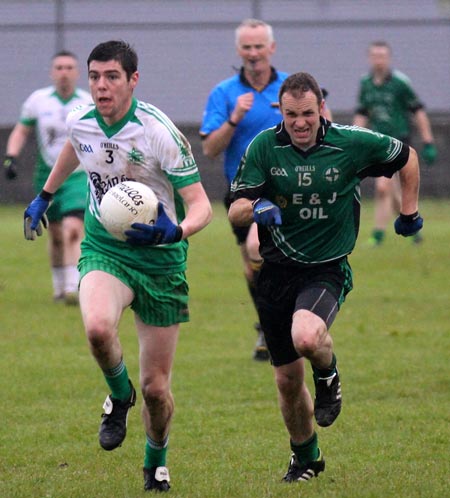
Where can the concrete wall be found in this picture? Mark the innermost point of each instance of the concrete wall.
(187, 46)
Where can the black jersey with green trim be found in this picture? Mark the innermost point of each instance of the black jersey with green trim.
(317, 191)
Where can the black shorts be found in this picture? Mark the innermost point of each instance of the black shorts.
(284, 289)
(240, 233)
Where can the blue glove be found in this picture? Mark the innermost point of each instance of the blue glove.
(34, 217)
(408, 224)
(162, 232)
(429, 153)
(266, 213)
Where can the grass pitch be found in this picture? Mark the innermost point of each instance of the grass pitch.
(227, 439)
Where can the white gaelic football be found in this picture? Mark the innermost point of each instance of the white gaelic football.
(127, 203)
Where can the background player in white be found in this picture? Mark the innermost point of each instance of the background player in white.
(120, 139)
(45, 111)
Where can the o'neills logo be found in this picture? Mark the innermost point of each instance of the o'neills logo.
(125, 201)
(109, 145)
(134, 195)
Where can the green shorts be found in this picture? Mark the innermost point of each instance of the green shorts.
(159, 300)
(70, 197)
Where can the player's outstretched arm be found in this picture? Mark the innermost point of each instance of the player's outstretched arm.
(35, 218)
(65, 164)
(409, 221)
(410, 182)
(429, 151)
(16, 142)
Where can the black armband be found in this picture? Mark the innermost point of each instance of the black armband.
(47, 196)
(232, 123)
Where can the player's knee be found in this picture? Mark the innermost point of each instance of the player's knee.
(306, 345)
(307, 333)
(383, 190)
(155, 391)
(75, 235)
(73, 230)
(306, 341)
(99, 333)
(57, 243)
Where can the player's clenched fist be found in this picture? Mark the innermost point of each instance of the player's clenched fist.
(243, 104)
(266, 213)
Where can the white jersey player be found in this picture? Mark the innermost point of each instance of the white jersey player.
(45, 112)
(145, 147)
(125, 139)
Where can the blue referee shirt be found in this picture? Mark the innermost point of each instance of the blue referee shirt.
(263, 114)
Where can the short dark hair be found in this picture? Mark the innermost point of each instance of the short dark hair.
(117, 50)
(65, 53)
(300, 83)
(380, 44)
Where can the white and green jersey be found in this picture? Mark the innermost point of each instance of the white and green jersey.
(144, 146)
(47, 111)
(317, 191)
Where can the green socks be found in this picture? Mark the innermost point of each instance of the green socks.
(378, 236)
(117, 380)
(155, 453)
(306, 452)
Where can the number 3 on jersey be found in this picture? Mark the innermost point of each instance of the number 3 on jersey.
(110, 158)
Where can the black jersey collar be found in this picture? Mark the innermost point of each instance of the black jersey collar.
(244, 80)
(283, 137)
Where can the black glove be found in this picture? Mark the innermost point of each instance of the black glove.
(408, 224)
(10, 167)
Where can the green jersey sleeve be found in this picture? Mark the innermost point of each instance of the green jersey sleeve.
(377, 154)
(251, 176)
